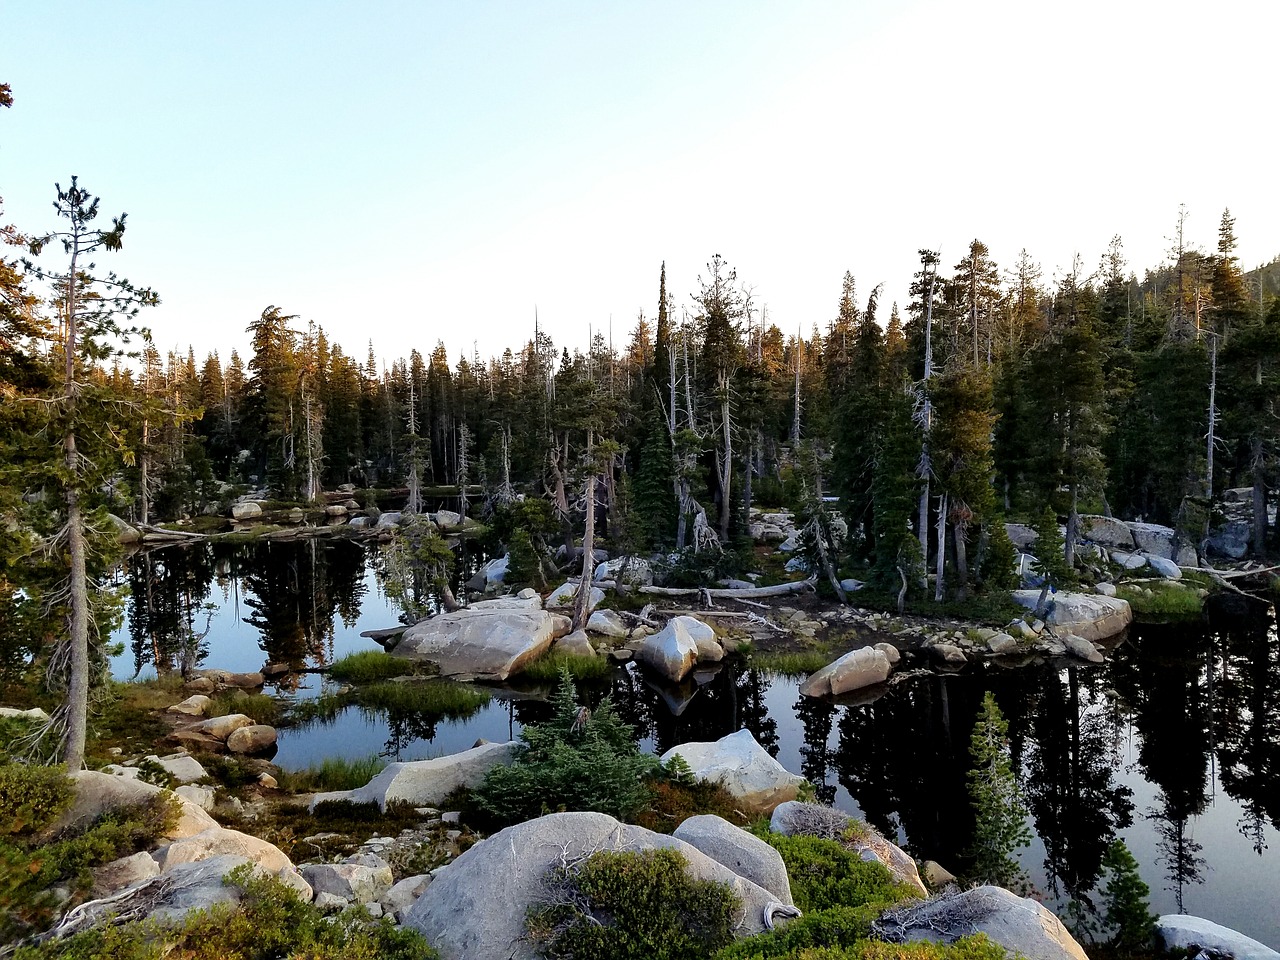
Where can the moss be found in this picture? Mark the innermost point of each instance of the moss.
(632, 904)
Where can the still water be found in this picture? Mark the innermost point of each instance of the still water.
(1173, 744)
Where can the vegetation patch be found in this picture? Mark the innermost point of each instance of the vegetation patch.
(334, 828)
(1161, 600)
(271, 922)
(442, 698)
(548, 667)
(578, 760)
(975, 947)
(836, 927)
(632, 904)
(369, 666)
(333, 773)
(826, 874)
(262, 707)
(792, 663)
(675, 797)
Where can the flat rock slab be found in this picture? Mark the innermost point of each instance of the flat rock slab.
(1091, 616)
(742, 767)
(475, 908)
(425, 783)
(493, 639)
(1181, 932)
(1022, 926)
(864, 667)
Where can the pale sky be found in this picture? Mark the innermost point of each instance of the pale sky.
(414, 172)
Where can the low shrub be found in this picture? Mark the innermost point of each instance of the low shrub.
(31, 798)
(672, 802)
(1162, 600)
(441, 698)
(368, 666)
(975, 947)
(642, 904)
(825, 874)
(271, 922)
(792, 663)
(835, 927)
(577, 760)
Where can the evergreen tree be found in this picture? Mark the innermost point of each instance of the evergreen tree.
(1124, 898)
(1000, 815)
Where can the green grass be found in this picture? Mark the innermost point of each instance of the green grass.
(1167, 601)
(546, 669)
(333, 773)
(369, 666)
(260, 706)
(796, 663)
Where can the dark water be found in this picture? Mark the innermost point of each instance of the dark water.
(1173, 744)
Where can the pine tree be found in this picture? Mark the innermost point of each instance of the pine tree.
(1124, 898)
(1000, 814)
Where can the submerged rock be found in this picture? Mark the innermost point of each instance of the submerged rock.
(475, 908)
(743, 767)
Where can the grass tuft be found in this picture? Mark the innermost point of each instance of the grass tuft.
(546, 669)
(333, 773)
(370, 666)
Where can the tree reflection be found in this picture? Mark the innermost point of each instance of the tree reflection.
(167, 617)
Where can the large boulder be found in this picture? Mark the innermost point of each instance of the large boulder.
(608, 623)
(219, 841)
(1187, 935)
(743, 767)
(1152, 538)
(124, 872)
(447, 519)
(796, 819)
(255, 738)
(859, 668)
(744, 853)
(98, 793)
(1107, 531)
(220, 728)
(475, 908)
(362, 878)
(634, 571)
(1022, 536)
(1166, 568)
(425, 783)
(564, 596)
(1231, 538)
(1022, 926)
(246, 510)
(673, 650)
(1091, 616)
(196, 705)
(492, 639)
(125, 534)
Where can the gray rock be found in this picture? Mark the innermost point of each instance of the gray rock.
(447, 519)
(1105, 589)
(202, 797)
(335, 510)
(1180, 932)
(1231, 538)
(673, 650)
(425, 783)
(859, 668)
(936, 875)
(125, 534)
(850, 585)
(1022, 926)
(1001, 643)
(327, 902)
(1129, 561)
(634, 571)
(564, 595)
(246, 510)
(1166, 568)
(35, 714)
(1090, 616)
(815, 820)
(216, 841)
(789, 545)
(1153, 539)
(256, 738)
(1082, 648)
(363, 878)
(222, 727)
(182, 767)
(360, 523)
(892, 653)
(98, 793)
(742, 767)
(494, 572)
(608, 623)
(745, 854)
(493, 884)
(797, 565)
(948, 653)
(577, 644)
(389, 519)
(1107, 531)
(188, 887)
(492, 639)
(404, 894)
(124, 872)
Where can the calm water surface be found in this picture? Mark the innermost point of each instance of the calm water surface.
(1173, 744)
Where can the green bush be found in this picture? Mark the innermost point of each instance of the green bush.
(836, 927)
(271, 922)
(31, 797)
(29, 870)
(577, 760)
(367, 666)
(825, 874)
(616, 905)
(1000, 814)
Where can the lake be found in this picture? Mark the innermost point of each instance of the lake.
(1172, 744)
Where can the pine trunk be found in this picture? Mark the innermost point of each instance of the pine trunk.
(1258, 459)
(940, 583)
(582, 602)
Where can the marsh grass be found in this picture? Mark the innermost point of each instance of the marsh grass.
(1166, 600)
(547, 668)
(333, 773)
(370, 666)
(793, 663)
(260, 706)
(443, 698)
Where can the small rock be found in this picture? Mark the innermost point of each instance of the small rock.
(1105, 589)
(268, 781)
(453, 816)
(1000, 643)
(1082, 648)
(576, 643)
(202, 797)
(948, 653)
(222, 727)
(200, 685)
(182, 767)
(891, 653)
(252, 739)
(124, 872)
(607, 623)
(935, 875)
(405, 894)
(196, 705)
(326, 902)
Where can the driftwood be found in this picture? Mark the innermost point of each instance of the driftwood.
(777, 590)
(160, 533)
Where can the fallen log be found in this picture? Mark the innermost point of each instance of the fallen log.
(753, 593)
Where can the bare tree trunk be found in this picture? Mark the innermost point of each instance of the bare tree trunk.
(582, 602)
(925, 468)
(726, 460)
(940, 581)
(959, 530)
(78, 632)
(144, 480)
(1073, 529)
(1213, 415)
(1259, 497)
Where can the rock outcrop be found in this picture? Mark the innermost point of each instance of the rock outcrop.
(1091, 616)
(475, 908)
(743, 767)
(493, 639)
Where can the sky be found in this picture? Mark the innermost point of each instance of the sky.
(407, 173)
